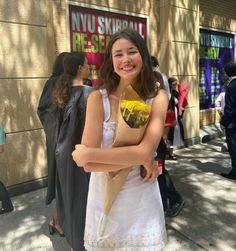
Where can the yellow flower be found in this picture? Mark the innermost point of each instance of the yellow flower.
(135, 113)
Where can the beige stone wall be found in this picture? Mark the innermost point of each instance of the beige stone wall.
(26, 52)
(219, 15)
(178, 52)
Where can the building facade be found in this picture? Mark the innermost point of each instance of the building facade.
(35, 31)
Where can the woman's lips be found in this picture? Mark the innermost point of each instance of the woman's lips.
(128, 68)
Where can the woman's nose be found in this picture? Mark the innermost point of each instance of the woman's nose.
(126, 58)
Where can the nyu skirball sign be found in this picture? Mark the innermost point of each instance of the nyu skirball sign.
(216, 49)
(91, 30)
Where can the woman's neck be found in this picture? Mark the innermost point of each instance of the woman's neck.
(122, 86)
(77, 82)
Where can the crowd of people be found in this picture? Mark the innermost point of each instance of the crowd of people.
(80, 123)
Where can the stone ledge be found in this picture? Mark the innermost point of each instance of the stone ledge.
(27, 186)
(210, 132)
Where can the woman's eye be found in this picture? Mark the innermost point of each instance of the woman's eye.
(133, 52)
(117, 55)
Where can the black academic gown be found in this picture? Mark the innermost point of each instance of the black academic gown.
(50, 116)
(72, 188)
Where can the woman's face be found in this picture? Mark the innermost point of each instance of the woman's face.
(127, 61)
(84, 69)
(174, 86)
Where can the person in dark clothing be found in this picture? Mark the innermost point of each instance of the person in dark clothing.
(5, 202)
(228, 119)
(45, 101)
(50, 116)
(88, 82)
(46, 112)
(70, 95)
(172, 201)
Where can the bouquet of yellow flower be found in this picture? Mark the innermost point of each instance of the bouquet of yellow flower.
(132, 121)
(132, 118)
(135, 113)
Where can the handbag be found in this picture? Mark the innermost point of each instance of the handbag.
(170, 119)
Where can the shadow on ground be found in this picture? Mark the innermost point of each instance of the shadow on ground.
(207, 221)
(209, 216)
(26, 227)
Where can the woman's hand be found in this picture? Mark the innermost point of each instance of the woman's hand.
(152, 171)
(79, 155)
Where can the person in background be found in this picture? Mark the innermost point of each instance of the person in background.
(155, 64)
(172, 201)
(5, 202)
(220, 105)
(228, 119)
(50, 117)
(88, 82)
(182, 100)
(2, 138)
(70, 96)
(45, 101)
(175, 134)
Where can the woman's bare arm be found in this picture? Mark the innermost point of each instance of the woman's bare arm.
(92, 135)
(130, 155)
(98, 167)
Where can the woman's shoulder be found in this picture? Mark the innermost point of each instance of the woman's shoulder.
(161, 98)
(95, 104)
(162, 93)
(95, 97)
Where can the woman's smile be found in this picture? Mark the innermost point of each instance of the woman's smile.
(128, 68)
(127, 61)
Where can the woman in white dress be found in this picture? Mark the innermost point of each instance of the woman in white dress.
(136, 220)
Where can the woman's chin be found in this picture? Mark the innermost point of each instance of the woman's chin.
(129, 76)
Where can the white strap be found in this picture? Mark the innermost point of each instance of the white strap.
(106, 104)
(149, 101)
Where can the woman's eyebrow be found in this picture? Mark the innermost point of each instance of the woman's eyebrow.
(130, 48)
(117, 51)
(133, 47)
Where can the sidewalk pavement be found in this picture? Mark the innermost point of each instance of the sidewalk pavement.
(207, 221)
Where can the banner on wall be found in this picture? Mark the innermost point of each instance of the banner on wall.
(216, 49)
(91, 30)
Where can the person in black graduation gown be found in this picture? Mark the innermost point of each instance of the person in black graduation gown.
(49, 115)
(70, 95)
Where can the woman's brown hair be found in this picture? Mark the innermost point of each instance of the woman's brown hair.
(171, 80)
(145, 85)
(159, 79)
(62, 90)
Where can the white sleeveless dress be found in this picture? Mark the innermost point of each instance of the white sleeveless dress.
(136, 219)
